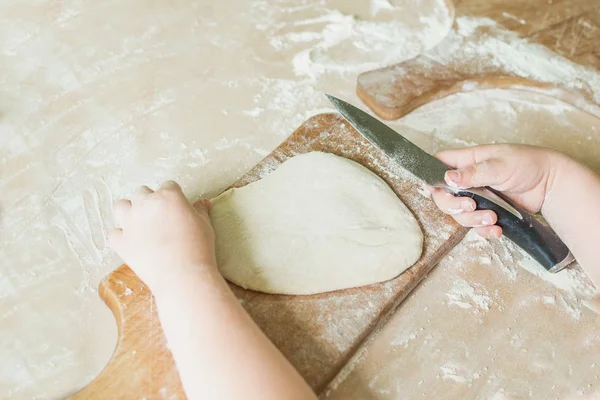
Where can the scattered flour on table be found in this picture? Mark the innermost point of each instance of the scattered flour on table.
(495, 47)
(465, 295)
(348, 43)
(330, 47)
(153, 102)
(471, 330)
(572, 284)
(194, 93)
(485, 47)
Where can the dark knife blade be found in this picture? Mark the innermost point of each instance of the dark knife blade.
(416, 161)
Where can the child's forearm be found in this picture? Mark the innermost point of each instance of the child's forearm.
(572, 207)
(211, 335)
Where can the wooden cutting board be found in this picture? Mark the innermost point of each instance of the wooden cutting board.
(317, 333)
(569, 28)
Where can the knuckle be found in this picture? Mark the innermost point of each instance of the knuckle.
(473, 169)
(162, 197)
(444, 199)
(170, 185)
(439, 201)
(168, 194)
(120, 204)
(459, 220)
(169, 189)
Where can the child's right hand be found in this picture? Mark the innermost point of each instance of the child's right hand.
(523, 173)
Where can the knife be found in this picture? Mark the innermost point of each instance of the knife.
(518, 225)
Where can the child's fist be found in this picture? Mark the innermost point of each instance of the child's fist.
(161, 236)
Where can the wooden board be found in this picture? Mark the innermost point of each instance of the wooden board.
(317, 333)
(570, 28)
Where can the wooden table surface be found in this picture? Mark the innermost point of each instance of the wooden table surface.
(569, 27)
(91, 108)
(468, 61)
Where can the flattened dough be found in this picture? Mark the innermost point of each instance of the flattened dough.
(318, 223)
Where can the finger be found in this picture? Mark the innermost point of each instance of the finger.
(487, 173)
(141, 192)
(476, 218)
(121, 209)
(170, 185)
(203, 205)
(144, 190)
(460, 158)
(489, 232)
(114, 238)
(451, 204)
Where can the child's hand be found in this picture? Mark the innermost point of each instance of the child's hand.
(523, 173)
(161, 236)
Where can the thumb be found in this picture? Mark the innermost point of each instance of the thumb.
(487, 173)
(202, 205)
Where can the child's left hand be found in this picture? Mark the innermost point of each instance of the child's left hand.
(162, 237)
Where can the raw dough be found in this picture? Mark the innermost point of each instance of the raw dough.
(318, 223)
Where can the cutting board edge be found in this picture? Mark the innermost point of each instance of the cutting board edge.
(388, 311)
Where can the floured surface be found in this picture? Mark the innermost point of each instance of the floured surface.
(478, 53)
(478, 326)
(188, 91)
(488, 319)
(316, 224)
(99, 97)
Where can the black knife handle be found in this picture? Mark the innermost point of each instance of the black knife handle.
(527, 232)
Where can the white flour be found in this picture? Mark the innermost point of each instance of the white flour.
(573, 284)
(505, 50)
(350, 45)
(466, 296)
(191, 92)
(479, 46)
(199, 94)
